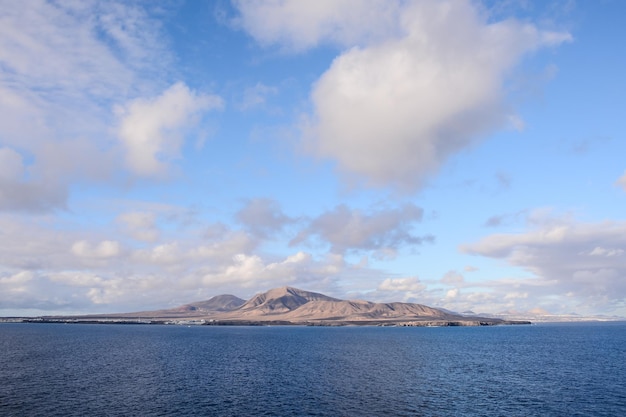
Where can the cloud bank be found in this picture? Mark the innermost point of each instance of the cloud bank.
(583, 261)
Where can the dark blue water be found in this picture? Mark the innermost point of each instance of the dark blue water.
(143, 370)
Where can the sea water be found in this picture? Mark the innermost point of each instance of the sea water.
(151, 370)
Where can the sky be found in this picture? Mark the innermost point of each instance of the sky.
(468, 155)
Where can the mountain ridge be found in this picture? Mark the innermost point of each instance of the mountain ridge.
(289, 305)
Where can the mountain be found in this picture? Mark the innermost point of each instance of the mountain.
(200, 309)
(281, 300)
(219, 303)
(295, 305)
(288, 305)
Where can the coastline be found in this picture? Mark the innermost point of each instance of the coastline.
(471, 322)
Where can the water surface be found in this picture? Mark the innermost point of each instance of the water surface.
(140, 370)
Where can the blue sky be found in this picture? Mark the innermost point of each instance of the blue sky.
(461, 154)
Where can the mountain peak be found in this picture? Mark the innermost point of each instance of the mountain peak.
(283, 299)
(219, 303)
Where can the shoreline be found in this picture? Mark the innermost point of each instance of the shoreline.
(478, 322)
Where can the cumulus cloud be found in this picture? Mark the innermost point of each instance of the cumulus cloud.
(452, 294)
(452, 278)
(263, 217)
(224, 246)
(411, 284)
(600, 251)
(102, 250)
(43, 269)
(405, 289)
(394, 112)
(18, 193)
(152, 130)
(163, 254)
(141, 225)
(301, 25)
(18, 278)
(28, 245)
(11, 165)
(383, 232)
(585, 261)
(416, 83)
(252, 270)
(48, 272)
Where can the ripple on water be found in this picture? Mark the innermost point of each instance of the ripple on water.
(97, 370)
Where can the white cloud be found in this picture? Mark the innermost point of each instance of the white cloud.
(410, 284)
(263, 217)
(224, 247)
(31, 244)
(453, 293)
(75, 278)
(140, 225)
(600, 251)
(384, 231)
(19, 278)
(515, 295)
(452, 278)
(566, 258)
(406, 289)
(152, 130)
(47, 271)
(163, 254)
(11, 165)
(418, 82)
(299, 25)
(394, 112)
(16, 193)
(252, 271)
(103, 250)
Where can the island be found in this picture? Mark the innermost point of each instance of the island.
(285, 306)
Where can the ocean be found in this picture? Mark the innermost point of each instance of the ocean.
(151, 370)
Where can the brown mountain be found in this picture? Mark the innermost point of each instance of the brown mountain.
(281, 300)
(200, 309)
(297, 306)
(217, 304)
(289, 305)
